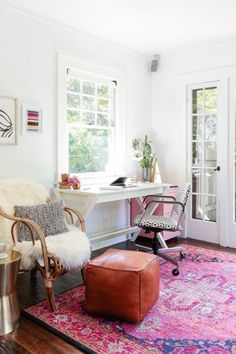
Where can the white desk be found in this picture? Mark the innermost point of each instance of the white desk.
(88, 197)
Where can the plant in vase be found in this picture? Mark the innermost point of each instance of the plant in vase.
(73, 182)
(142, 151)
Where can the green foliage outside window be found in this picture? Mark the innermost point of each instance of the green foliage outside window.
(88, 150)
(88, 105)
(73, 85)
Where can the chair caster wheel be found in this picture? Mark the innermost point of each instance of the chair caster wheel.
(175, 271)
(182, 255)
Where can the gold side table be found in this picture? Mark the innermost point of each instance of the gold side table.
(9, 309)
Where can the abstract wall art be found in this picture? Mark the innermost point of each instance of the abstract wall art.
(32, 119)
(8, 128)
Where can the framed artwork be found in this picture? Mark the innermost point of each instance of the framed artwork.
(8, 127)
(32, 119)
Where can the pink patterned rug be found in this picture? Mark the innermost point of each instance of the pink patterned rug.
(196, 313)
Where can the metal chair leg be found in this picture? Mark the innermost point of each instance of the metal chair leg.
(155, 243)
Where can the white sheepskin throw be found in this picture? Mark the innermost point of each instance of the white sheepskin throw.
(17, 192)
(72, 248)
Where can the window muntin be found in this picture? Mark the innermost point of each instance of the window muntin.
(91, 124)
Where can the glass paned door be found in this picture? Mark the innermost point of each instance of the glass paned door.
(203, 114)
(204, 153)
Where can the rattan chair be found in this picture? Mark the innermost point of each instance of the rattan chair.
(156, 224)
(51, 255)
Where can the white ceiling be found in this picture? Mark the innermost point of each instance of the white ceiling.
(146, 26)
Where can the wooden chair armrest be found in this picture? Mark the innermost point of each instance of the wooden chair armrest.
(80, 218)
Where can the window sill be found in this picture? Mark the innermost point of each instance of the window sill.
(96, 180)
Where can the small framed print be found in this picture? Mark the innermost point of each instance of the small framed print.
(32, 119)
(8, 126)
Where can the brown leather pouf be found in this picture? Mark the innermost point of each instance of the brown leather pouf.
(122, 284)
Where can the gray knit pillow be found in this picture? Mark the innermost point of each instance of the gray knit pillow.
(50, 217)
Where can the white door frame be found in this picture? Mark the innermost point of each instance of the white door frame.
(199, 228)
(232, 172)
(221, 76)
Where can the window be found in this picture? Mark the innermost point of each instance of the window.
(90, 130)
(91, 123)
(204, 153)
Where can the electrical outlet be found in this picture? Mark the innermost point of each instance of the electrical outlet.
(104, 221)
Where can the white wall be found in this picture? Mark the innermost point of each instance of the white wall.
(28, 71)
(166, 96)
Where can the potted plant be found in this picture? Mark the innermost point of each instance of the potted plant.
(142, 151)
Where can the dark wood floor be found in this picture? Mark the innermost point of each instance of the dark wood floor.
(30, 337)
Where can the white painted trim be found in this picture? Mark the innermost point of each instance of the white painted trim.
(107, 241)
(182, 133)
(223, 68)
(223, 181)
(79, 74)
(203, 226)
(204, 77)
(232, 187)
(120, 140)
(61, 113)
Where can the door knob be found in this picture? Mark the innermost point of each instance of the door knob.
(217, 168)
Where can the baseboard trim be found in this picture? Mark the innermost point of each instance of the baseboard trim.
(102, 242)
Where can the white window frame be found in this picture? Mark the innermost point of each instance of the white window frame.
(89, 69)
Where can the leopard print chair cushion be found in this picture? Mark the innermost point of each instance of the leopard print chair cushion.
(159, 222)
(165, 222)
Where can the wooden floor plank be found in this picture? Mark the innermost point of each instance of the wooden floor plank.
(11, 347)
(40, 340)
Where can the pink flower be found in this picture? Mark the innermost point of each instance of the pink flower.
(72, 181)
